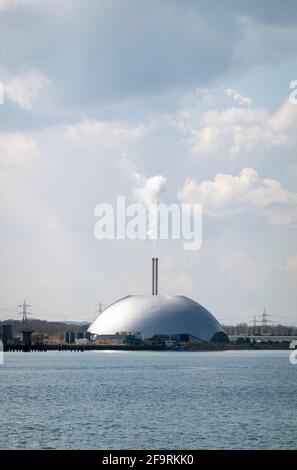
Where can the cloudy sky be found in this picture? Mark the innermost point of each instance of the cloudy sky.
(102, 96)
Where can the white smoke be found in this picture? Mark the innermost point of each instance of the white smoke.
(148, 194)
(147, 191)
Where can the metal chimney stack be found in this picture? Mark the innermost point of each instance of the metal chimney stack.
(155, 276)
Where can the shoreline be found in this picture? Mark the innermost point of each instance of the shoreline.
(189, 348)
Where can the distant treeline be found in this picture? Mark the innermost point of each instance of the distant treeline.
(45, 327)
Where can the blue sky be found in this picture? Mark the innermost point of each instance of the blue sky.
(195, 91)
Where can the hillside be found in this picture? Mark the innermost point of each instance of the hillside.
(46, 327)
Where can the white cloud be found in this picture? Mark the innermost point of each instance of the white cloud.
(246, 192)
(17, 150)
(8, 4)
(30, 91)
(238, 98)
(97, 129)
(238, 130)
(291, 265)
(103, 132)
(282, 216)
(263, 42)
(241, 268)
(47, 213)
(178, 282)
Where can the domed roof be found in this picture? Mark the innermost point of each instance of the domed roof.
(156, 315)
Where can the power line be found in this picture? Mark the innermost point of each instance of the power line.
(7, 308)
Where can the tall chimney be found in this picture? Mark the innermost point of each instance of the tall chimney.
(157, 274)
(153, 276)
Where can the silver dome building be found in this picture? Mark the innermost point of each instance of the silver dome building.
(155, 314)
(158, 315)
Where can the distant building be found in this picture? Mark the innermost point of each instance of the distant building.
(18, 338)
(256, 330)
(87, 335)
(159, 316)
(170, 343)
(132, 339)
(81, 341)
(106, 339)
(182, 338)
(6, 334)
(27, 339)
(160, 339)
(70, 337)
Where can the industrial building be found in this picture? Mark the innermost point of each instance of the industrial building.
(6, 334)
(156, 314)
(69, 337)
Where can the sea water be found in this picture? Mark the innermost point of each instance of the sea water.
(148, 400)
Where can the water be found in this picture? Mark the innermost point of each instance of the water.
(148, 400)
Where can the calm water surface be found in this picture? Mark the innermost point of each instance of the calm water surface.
(148, 400)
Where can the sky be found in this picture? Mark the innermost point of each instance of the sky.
(106, 98)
